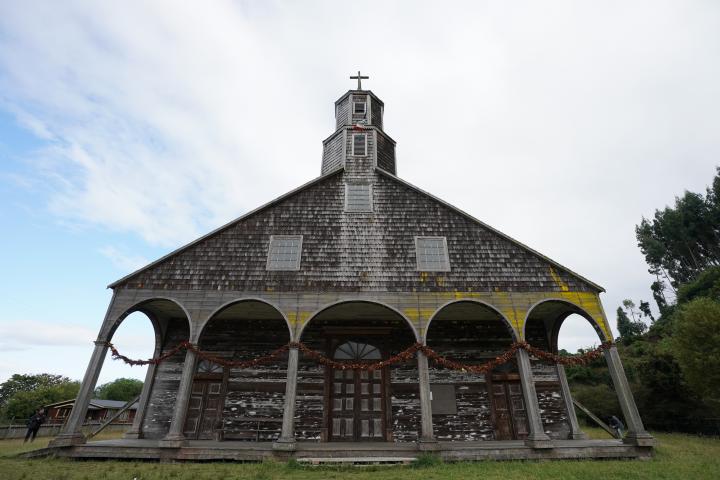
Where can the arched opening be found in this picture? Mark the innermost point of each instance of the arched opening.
(354, 404)
(135, 336)
(170, 326)
(239, 403)
(560, 326)
(468, 406)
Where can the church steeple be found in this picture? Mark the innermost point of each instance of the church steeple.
(359, 132)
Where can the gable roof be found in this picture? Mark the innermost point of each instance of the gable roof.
(488, 227)
(227, 225)
(507, 267)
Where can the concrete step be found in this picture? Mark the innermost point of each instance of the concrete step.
(356, 461)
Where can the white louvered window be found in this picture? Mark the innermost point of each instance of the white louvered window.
(359, 108)
(284, 252)
(359, 145)
(432, 254)
(358, 197)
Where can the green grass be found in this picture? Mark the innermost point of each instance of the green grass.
(677, 456)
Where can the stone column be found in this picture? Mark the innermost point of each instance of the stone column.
(537, 437)
(286, 442)
(575, 432)
(636, 430)
(71, 433)
(175, 436)
(136, 429)
(427, 436)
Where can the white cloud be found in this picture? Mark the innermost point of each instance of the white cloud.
(19, 335)
(123, 261)
(559, 123)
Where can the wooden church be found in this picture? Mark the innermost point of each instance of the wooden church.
(355, 267)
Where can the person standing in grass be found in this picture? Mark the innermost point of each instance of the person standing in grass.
(616, 425)
(34, 423)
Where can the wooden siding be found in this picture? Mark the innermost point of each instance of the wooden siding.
(350, 252)
(376, 112)
(385, 153)
(333, 153)
(469, 341)
(254, 397)
(165, 386)
(342, 111)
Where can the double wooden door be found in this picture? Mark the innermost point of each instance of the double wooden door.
(509, 410)
(357, 405)
(204, 409)
(357, 398)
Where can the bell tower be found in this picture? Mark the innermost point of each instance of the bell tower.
(359, 132)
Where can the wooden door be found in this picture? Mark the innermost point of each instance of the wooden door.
(509, 411)
(357, 397)
(517, 409)
(204, 409)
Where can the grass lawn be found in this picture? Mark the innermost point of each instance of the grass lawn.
(677, 456)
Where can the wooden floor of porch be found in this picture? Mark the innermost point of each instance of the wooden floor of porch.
(343, 452)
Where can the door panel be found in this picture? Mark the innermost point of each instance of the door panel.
(509, 408)
(204, 409)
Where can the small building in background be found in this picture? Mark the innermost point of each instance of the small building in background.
(98, 411)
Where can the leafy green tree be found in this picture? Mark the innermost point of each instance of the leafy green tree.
(27, 383)
(120, 389)
(681, 242)
(23, 403)
(696, 342)
(707, 284)
(627, 328)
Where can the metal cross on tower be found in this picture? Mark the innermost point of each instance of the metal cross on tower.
(359, 79)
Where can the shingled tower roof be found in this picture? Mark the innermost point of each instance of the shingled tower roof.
(356, 228)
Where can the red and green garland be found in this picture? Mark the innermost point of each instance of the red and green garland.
(404, 356)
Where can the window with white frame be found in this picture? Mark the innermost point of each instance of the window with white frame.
(432, 254)
(358, 197)
(359, 144)
(359, 108)
(284, 252)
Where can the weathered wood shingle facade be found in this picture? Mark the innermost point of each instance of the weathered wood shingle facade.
(357, 264)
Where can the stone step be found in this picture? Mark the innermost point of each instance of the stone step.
(356, 461)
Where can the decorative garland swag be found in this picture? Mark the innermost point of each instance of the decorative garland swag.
(404, 356)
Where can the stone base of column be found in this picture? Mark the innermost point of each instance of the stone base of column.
(68, 440)
(132, 434)
(643, 439)
(173, 441)
(428, 445)
(539, 440)
(284, 445)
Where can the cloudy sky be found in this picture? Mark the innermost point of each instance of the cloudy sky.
(129, 128)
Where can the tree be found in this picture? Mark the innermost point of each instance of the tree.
(696, 342)
(120, 389)
(27, 383)
(683, 241)
(24, 402)
(627, 328)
